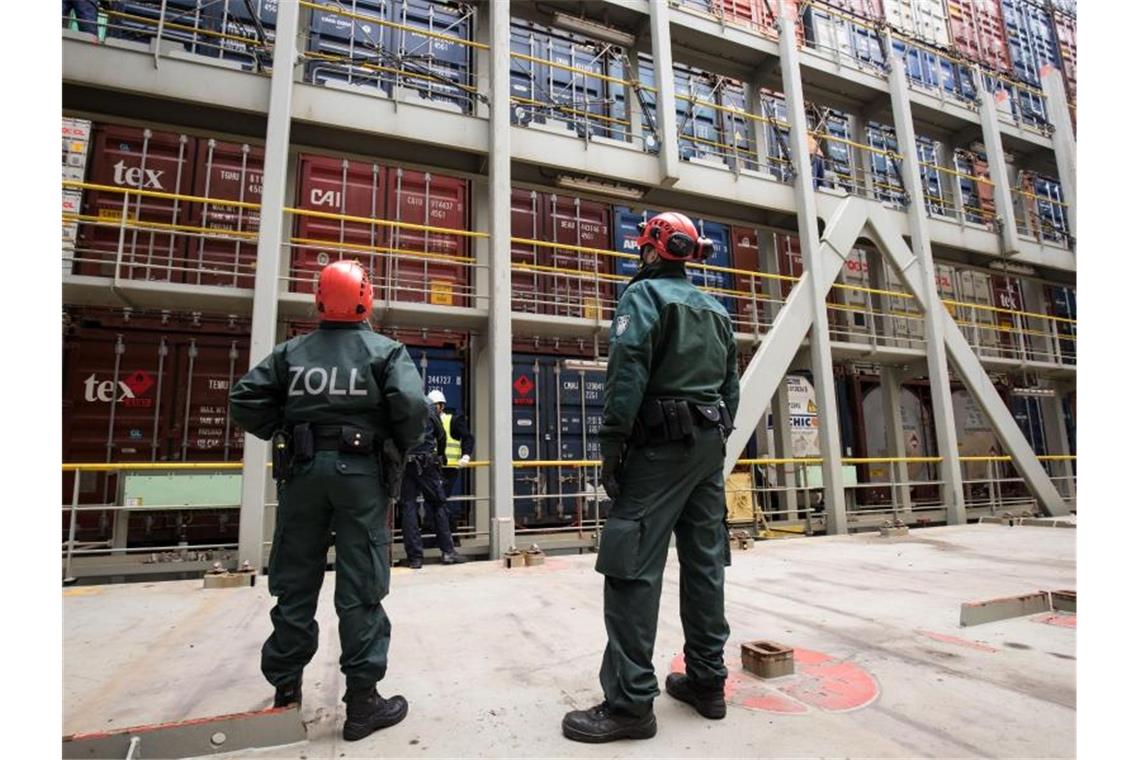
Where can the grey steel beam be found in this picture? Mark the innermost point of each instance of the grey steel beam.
(502, 527)
(1064, 144)
(995, 156)
(950, 474)
(817, 260)
(765, 373)
(782, 448)
(1057, 438)
(967, 366)
(263, 332)
(891, 391)
(668, 153)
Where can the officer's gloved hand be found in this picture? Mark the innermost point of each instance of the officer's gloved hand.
(464, 461)
(611, 473)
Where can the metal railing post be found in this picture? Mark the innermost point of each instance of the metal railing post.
(67, 576)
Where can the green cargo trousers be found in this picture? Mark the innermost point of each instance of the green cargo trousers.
(665, 489)
(341, 493)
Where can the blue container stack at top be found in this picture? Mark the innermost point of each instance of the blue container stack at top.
(415, 45)
(941, 40)
(548, 83)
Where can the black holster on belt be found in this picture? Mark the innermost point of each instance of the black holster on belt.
(281, 455)
(665, 420)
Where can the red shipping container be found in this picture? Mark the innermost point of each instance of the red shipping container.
(978, 32)
(583, 223)
(440, 277)
(148, 389)
(1065, 28)
(746, 256)
(866, 9)
(131, 157)
(791, 262)
(228, 172)
(526, 222)
(337, 186)
(1007, 295)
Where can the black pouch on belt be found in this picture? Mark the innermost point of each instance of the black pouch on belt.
(653, 421)
(672, 420)
(303, 444)
(708, 415)
(354, 440)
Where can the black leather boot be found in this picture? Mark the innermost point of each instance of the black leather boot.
(708, 700)
(602, 723)
(368, 712)
(287, 695)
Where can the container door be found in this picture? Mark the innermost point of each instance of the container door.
(529, 437)
(346, 46)
(746, 255)
(578, 409)
(581, 285)
(432, 67)
(978, 32)
(225, 172)
(337, 186)
(1007, 298)
(527, 294)
(428, 267)
(129, 157)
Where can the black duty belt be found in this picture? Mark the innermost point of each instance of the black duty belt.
(664, 420)
(348, 439)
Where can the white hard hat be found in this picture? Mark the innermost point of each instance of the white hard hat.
(436, 397)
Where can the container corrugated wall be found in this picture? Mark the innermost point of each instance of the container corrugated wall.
(978, 32)
(919, 19)
(226, 172)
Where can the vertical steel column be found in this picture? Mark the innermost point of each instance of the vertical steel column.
(263, 334)
(669, 154)
(499, 333)
(896, 441)
(995, 157)
(1064, 144)
(786, 500)
(937, 370)
(813, 255)
(1058, 437)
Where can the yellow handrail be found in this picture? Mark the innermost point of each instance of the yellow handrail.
(565, 67)
(184, 27)
(159, 194)
(347, 60)
(543, 463)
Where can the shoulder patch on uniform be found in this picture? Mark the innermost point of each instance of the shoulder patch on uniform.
(620, 324)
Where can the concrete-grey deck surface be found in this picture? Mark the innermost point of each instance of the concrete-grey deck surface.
(490, 659)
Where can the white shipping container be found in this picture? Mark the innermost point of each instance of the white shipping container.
(72, 202)
(919, 19)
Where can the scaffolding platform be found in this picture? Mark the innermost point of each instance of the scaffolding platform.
(490, 658)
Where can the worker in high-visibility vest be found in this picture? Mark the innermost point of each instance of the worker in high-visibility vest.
(460, 445)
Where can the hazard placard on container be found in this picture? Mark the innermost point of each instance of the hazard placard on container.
(442, 293)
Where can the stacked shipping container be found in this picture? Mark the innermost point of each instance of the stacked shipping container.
(395, 47)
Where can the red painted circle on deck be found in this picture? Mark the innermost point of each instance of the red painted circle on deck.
(820, 682)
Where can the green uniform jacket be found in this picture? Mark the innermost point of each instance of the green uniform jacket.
(668, 340)
(340, 374)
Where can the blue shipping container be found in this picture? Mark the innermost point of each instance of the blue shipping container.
(1029, 31)
(557, 413)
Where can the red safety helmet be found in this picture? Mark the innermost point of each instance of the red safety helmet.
(344, 292)
(675, 238)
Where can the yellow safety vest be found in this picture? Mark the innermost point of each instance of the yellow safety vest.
(454, 450)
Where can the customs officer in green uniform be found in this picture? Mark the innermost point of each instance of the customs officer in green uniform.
(671, 393)
(332, 401)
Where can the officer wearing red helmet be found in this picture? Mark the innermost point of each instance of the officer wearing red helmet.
(671, 393)
(330, 399)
